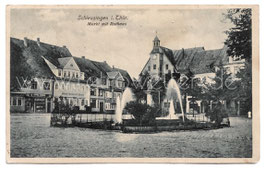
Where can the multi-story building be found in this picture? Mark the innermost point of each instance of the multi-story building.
(42, 74)
(196, 62)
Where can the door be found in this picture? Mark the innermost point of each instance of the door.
(29, 105)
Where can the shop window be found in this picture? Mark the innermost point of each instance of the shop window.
(46, 85)
(93, 103)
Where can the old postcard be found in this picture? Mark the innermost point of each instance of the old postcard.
(116, 84)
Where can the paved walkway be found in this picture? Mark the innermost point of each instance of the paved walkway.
(31, 136)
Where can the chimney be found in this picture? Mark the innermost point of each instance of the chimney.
(113, 67)
(83, 57)
(64, 46)
(25, 41)
(38, 42)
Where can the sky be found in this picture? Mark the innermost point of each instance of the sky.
(127, 46)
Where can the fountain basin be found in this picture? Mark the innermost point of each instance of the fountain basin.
(165, 125)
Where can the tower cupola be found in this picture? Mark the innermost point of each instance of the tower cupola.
(156, 42)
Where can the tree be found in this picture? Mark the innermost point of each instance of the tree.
(239, 36)
(239, 44)
(143, 114)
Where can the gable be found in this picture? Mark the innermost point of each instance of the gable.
(71, 64)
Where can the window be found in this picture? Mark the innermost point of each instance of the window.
(82, 102)
(33, 85)
(93, 92)
(100, 92)
(154, 66)
(93, 103)
(149, 68)
(104, 81)
(77, 74)
(68, 73)
(14, 101)
(19, 101)
(46, 85)
(73, 74)
(166, 66)
(64, 73)
(59, 72)
(87, 102)
(63, 86)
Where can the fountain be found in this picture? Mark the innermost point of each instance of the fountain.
(173, 93)
(127, 96)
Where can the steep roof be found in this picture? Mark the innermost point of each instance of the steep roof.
(88, 67)
(183, 57)
(102, 66)
(125, 75)
(32, 55)
(198, 60)
(27, 62)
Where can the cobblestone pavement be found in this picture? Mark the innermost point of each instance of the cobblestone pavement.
(32, 136)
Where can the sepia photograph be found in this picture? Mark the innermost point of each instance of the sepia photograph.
(132, 83)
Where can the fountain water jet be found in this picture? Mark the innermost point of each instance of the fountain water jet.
(127, 96)
(173, 88)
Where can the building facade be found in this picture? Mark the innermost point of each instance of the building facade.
(197, 63)
(42, 74)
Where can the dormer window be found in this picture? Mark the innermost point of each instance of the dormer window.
(34, 84)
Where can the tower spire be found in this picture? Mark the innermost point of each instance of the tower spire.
(156, 41)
